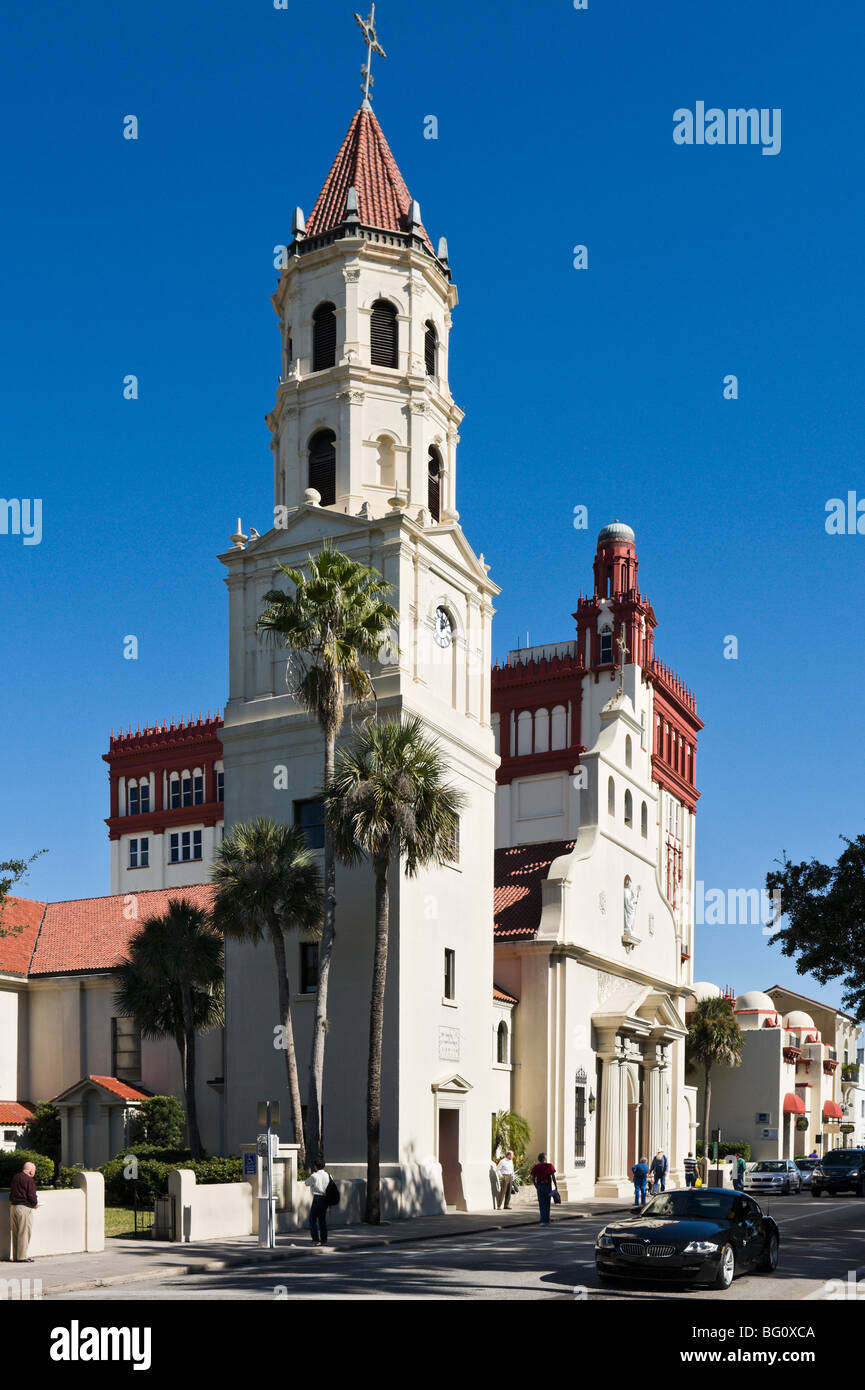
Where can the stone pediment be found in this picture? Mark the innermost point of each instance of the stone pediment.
(453, 1084)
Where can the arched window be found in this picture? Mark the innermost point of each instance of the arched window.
(322, 465)
(502, 1043)
(174, 791)
(430, 348)
(323, 337)
(383, 335)
(559, 728)
(186, 790)
(629, 809)
(542, 731)
(644, 821)
(434, 483)
(611, 797)
(524, 733)
(606, 648)
(627, 750)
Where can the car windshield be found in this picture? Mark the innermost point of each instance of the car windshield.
(806, 1164)
(689, 1204)
(843, 1158)
(773, 1165)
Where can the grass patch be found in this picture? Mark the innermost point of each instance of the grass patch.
(120, 1221)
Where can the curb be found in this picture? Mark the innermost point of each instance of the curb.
(250, 1259)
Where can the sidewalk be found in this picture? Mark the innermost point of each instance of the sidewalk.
(129, 1261)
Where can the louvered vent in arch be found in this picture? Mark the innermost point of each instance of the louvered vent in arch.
(322, 465)
(383, 335)
(323, 337)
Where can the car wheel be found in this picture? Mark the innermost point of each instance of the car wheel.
(726, 1268)
(769, 1259)
(860, 1190)
(785, 1190)
(816, 1192)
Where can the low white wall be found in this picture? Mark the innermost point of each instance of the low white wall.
(65, 1223)
(209, 1211)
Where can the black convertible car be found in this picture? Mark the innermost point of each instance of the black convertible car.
(704, 1235)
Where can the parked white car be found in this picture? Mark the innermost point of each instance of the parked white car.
(773, 1175)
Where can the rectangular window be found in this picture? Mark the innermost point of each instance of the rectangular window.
(125, 1049)
(187, 791)
(174, 794)
(144, 797)
(309, 815)
(308, 967)
(580, 1120)
(606, 648)
(454, 849)
(132, 804)
(198, 790)
(220, 786)
(450, 974)
(10, 1136)
(185, 845)
(139, 853)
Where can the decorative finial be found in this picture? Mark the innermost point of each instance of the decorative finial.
(372, 46)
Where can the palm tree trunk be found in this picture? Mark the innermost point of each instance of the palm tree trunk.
(376, 1022)
(325, 951)
(707, 1101)
(284, 992)
(189, 1076)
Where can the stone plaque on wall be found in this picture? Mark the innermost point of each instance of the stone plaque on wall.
(449, 1044)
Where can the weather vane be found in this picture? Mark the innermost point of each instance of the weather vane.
(372, 46)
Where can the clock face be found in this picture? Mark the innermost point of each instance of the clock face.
(443, 630)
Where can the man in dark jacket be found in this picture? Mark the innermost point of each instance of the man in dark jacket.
(23, 1201)
(659, 1169)
(640, 1171)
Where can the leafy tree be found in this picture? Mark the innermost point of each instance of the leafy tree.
(714, 1040)
(825, 909)
(161, 1122)
(172, 985)
(43, 1132)
(388, 801)
(267, 882)
(334, 622)
(13, 871)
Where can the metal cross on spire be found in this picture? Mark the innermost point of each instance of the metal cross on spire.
(372, 46)
(623, 652)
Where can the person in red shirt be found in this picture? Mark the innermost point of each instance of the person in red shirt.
(543, 1176)
(23, 1201)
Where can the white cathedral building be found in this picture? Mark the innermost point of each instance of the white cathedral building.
(544, 970)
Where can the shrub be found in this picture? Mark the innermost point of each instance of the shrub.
(159, 1155)
(148, 1179)
(66, 1176)
(162, 1120)
(727, 1147)
(213, 1170)
(43, 1131)
(12, 1163)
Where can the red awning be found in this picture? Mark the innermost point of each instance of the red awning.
(793, 1105)
(831, 1110)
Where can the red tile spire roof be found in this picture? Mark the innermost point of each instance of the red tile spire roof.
(365, 163)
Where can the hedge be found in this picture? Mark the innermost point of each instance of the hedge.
(727, 1147)
(152, 1178)
(12, 1163)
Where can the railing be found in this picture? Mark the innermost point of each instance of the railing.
(851, 1072)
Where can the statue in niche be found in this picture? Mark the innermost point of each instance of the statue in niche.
(632, 897)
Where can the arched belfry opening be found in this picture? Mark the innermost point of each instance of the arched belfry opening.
(434, 483)
(322, 465)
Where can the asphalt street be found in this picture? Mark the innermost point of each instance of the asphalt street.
(820, 1241)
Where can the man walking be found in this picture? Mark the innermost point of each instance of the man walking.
(318, 1182)
(690, 1166)
(543, 1176)
(505, 1172)
(23, 1201)
(641, 1172)
(660, 1166)
(741, 1167)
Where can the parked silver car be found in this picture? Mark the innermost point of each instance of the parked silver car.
(773, 1175)
(806, 1167)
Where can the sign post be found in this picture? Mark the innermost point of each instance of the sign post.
(268, 1118)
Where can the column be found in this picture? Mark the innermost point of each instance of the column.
(613, 1118)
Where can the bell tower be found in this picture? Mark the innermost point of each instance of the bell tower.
(364, 412)
(364, 437)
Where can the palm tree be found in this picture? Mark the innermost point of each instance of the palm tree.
(335, 620)
(714, 1039)
(172, 985)
(388, 801)
(267, 882)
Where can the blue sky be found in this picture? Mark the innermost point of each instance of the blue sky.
(600, 387)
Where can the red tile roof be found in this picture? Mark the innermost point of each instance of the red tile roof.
(16, 950)
(120, 1088)
(519, 872)
(365, 163)
(88, 934)
(502, 997)
(12, 1112)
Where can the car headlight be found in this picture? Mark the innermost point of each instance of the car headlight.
(701, 1247)
(605, 1242)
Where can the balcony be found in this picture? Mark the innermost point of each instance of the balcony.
(851, 1074)
(829, 1066)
